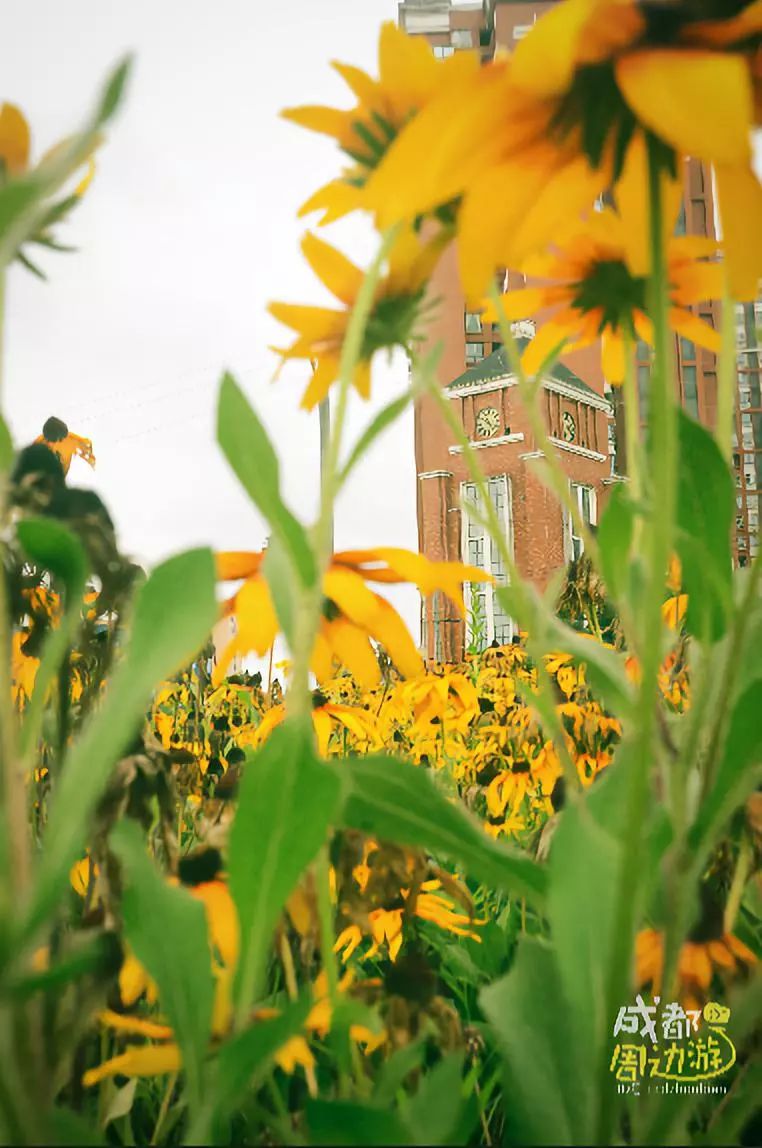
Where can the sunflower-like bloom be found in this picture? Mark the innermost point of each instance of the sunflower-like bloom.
(448, 699)
(698, 963)
(327, 717)
(622, 67)
(595, 294)
(544, 132)
(409, 77)
(320, 331)
(353, 614)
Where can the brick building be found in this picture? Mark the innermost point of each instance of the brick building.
(583, 422)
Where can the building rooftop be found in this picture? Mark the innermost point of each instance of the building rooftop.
(496, 366)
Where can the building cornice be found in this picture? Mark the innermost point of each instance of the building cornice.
(502, 440)
(435, 474)
(590, 399)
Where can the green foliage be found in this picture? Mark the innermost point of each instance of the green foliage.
(288, 799)
(250, 453)
(394, 800)
(173, 613)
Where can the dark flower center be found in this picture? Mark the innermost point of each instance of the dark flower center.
(392, 323)
(611, 287)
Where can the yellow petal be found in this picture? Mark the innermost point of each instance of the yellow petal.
(222, 918)
(353, 650)
(633, 203)
(327, 121)
(695, 282)
(700, 102)
(550, 339)
(151, 1060)
(695, 329)
(407, 70)
(335, 199)
(134, 1025)
(361, 379)
(518, 304)
(361, 84)
(324, 375)
(133, 980)
(338, 273)
(348, 590)
(255, 613)
(234, 564)
(740, 200)
(322, 723)
(612, 355)
(314, 323)
(14, 139)
(392, 633)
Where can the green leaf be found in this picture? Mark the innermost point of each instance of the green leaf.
(346, 1122)
(245, 1059)
(121, 1101)
(705, 507)
(394, 1072)
(250, 453)
(385, 417)
(53, 547)
(288, 800)
(615, 534)
(173, 613)
(71, 1129)
(584, 864)
(397, 801)
(6, 446)
(22, 200)
(434, 1113)
(166, 928)
(740, 768)
(530, 1018)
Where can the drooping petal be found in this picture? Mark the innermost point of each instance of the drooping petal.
(348, 590)
(324, 375)
(338, 273)
(740, 199)
(551, 337)
(695, 329)
(361, 379)
(134, 1025)
(351, 646)
(392, 633)
(221, 917)
(518, 304)
(695, 282)
(322, 724)
(700, 102)
(149, 1060)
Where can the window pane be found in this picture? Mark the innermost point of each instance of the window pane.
(687, 349)
(690, 391)
(474, 352)
(473, 323)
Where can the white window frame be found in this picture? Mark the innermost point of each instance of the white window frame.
(491, 551)
(570, 538)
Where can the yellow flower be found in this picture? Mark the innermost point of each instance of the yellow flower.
(23, 670)
(353, 614)
(450, 699)
(409, 77)
(326, 717)
(320, 331)
(14, 141)
(618, 67)
(698, 962)
(540, 135)
(595, 295)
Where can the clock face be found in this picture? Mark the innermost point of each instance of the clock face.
(487, 422)
(568, 426)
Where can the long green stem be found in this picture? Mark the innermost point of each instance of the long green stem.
(631, 421)
(662, 445)
(310, 605)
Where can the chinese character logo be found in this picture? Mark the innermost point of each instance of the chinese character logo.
(675, 1044)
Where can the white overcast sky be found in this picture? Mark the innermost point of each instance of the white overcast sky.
(188, 230)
